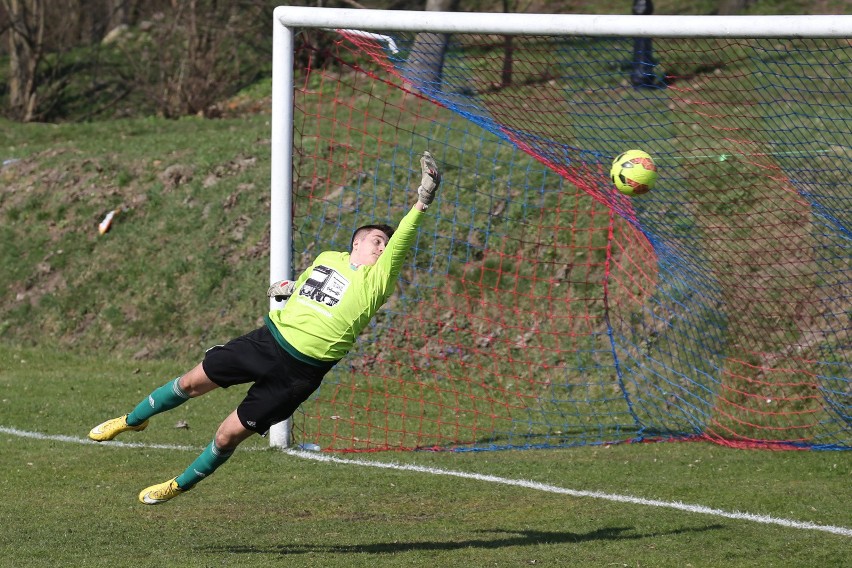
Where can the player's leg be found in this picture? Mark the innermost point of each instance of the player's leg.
(229, 435)
(269, 400)
(169, 396)
(280, 384)
(245, 359)
(172, 394)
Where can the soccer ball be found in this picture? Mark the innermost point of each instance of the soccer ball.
(633, 172)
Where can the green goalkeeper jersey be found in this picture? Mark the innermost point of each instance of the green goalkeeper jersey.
(333, 301)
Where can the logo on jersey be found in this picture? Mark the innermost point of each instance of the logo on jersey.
(324, 285)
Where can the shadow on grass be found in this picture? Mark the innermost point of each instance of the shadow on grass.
(517, 538)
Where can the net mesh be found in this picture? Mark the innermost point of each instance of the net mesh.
(542, 308)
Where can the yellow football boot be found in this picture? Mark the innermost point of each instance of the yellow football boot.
(112, 428)
(161, 492)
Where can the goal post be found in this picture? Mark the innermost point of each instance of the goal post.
(540, 307)
(281, 178)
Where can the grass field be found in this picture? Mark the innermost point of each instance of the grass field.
(73, 503)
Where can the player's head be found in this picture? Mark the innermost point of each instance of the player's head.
(368, 243)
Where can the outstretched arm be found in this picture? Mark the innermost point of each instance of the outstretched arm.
(390, 262)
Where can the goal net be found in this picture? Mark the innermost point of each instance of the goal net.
(539, 306)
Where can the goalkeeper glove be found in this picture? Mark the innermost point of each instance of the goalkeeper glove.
(430, 181)
(281, 290)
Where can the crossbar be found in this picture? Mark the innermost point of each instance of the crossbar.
(821, 26)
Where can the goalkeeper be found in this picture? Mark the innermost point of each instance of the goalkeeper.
(286, 359)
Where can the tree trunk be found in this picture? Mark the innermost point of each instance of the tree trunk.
(426, 62)
(26, 48)
(733, 7)
(119, 14)
(508, 50)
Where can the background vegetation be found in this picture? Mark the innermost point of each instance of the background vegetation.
(129, 58)
(158, 110)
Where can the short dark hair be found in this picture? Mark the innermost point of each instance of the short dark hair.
(386, 229)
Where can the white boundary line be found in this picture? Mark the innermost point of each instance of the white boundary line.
(764, 519)
(86, 441)
(320, 457)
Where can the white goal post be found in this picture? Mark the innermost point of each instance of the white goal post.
(287, 19)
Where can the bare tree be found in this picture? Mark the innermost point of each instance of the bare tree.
(26, 50)
(177, 56)
(192, 56)
(40, 68)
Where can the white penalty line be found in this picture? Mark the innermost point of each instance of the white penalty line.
(764, 519)
(320, 457)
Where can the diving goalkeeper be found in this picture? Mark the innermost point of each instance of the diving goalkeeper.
(286, 359)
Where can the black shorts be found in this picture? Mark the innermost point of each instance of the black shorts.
(281, 382)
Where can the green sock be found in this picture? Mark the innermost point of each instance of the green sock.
(205, 464)
(168, 396)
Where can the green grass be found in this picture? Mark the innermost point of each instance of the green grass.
(73, 504)
(173, 249)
